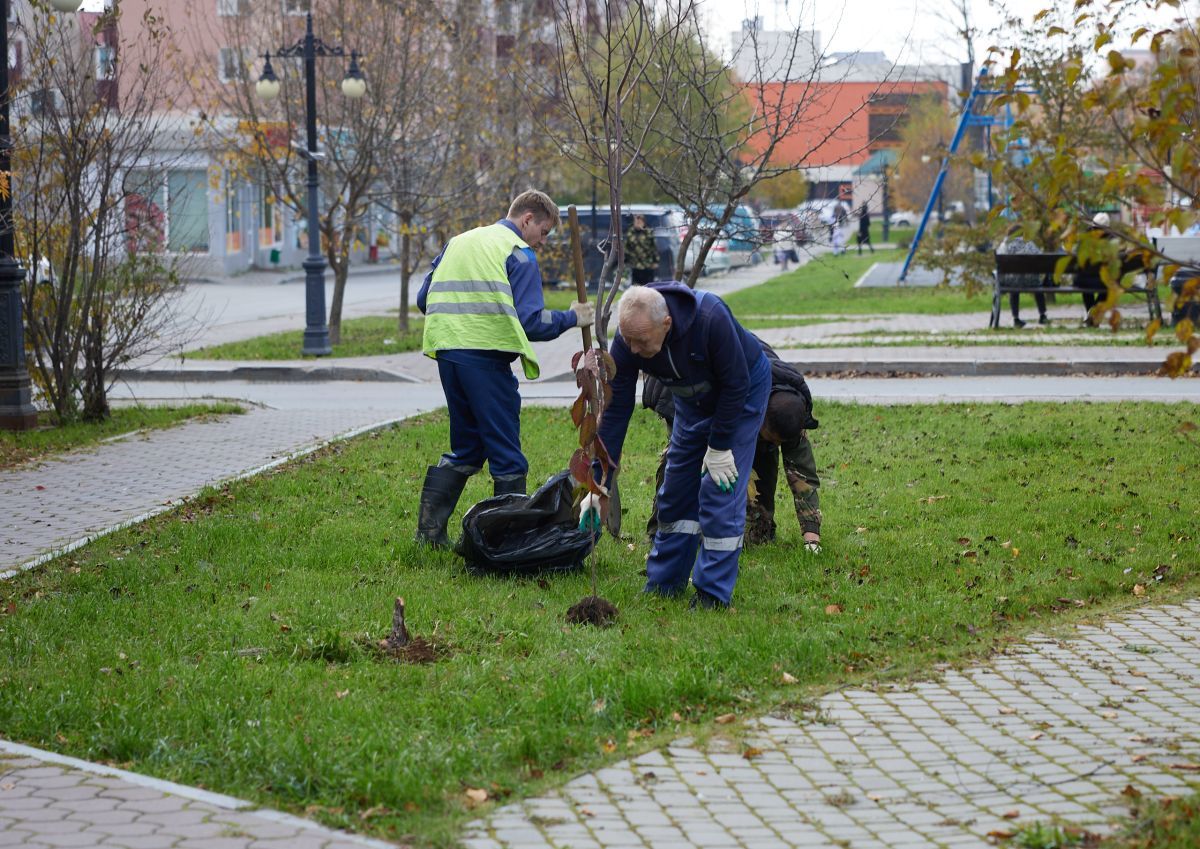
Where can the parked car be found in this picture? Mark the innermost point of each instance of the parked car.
(904, 218)
(819, 211)
(783, 225)
(715, 262)
(663, 220)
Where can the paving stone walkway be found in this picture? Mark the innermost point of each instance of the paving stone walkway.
(1051, 730)
(48, 801)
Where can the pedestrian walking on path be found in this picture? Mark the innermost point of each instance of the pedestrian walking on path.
(864, 229)
(483, 305)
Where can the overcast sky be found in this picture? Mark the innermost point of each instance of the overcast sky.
(908, 31)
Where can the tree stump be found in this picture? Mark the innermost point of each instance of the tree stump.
(399, 637)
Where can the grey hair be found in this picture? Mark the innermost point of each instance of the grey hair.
(644, 301)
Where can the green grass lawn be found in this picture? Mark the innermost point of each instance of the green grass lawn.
(21, 447)
(1160, 824)
(361, 337)
(217, 645)
(826, 285)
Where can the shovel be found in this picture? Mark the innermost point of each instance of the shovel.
(577, 260)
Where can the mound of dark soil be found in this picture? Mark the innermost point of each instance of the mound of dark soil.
(416, 650)
(593, 610)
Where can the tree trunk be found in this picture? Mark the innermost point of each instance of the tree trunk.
(341, 270)
(405, 253)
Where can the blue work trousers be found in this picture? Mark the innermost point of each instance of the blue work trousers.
(693, 514)
(485, 418)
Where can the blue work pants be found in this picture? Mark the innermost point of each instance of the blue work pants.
(693, 514)
(485, 417)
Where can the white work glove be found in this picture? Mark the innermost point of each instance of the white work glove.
(720, 465)
(585, 313)
(589, 513)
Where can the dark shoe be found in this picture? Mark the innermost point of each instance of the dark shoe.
(1043, 320)
(505, 487)
(706, 601)
(1018, 323)
(439, 497)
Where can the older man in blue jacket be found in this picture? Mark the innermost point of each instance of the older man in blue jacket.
(720, 381)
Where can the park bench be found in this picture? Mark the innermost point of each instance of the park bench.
(1044, 265)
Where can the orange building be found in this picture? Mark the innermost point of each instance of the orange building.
(841, 123)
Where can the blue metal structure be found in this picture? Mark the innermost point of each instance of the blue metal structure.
(969, 119)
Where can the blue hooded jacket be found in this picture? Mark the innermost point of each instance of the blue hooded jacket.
(706, 362)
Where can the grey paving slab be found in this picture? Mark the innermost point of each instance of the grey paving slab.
(115, 809)
(938, 763)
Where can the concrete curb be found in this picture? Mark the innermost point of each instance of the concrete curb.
(271, 374)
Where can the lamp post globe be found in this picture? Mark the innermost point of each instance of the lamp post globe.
(354, 86)
(66, 5)
(267, 89)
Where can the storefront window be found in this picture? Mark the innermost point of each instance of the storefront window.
(166, 211)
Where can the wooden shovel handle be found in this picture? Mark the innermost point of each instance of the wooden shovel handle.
(577, 258)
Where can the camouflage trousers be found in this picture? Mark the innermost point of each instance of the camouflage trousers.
(800, 469)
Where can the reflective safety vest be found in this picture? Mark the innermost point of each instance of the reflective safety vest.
(470, 302)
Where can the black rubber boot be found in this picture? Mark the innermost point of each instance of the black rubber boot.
(439, 497)
(504, 487)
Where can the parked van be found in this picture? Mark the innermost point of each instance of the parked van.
(662, 220)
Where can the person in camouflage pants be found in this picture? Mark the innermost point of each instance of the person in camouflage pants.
(641, 252)
(784, 431)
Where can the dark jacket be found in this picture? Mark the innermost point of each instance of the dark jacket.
(706, 361)
(784, 378)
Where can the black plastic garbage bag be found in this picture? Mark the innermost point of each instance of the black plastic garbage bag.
(526, 534)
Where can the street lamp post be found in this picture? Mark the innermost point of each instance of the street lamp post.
(887, 205)
(16, 392)
(316, 331)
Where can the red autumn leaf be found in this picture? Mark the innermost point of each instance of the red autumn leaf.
(610, 365)
(581, 467)
(607, 394)
(597, 489)
(578, 409)
(575, 360)
(586, 384)
(587, 430)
